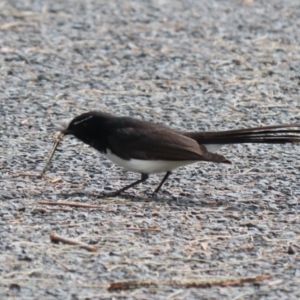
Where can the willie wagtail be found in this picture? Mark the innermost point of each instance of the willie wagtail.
(148, 148)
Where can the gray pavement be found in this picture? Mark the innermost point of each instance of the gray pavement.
(205, 65)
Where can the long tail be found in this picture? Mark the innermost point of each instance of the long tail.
(274, 134)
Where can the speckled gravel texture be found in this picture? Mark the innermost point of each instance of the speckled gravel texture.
(203, 65)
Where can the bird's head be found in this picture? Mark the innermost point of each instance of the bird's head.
(86, 126)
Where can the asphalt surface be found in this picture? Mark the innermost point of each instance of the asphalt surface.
(214, 232)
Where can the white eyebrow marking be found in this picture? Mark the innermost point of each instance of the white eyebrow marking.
(76, 123)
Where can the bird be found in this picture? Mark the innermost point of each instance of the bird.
(148, 148)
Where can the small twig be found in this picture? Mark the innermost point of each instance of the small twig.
(71, 204)
(104, 92)
(58, 138)
(143, 229)
(228, 282)
(24, 174)
(132, 284)
(55, 238)
(11, 25)
(124, 285)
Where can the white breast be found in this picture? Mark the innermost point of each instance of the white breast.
(146, 166)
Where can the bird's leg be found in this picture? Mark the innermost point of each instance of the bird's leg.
(144, 177)
(161, 183)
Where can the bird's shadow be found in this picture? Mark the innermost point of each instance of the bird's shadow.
(166, 198)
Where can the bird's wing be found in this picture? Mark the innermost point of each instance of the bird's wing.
(158, 144)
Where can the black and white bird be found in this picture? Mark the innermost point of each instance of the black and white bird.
(148, 148)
